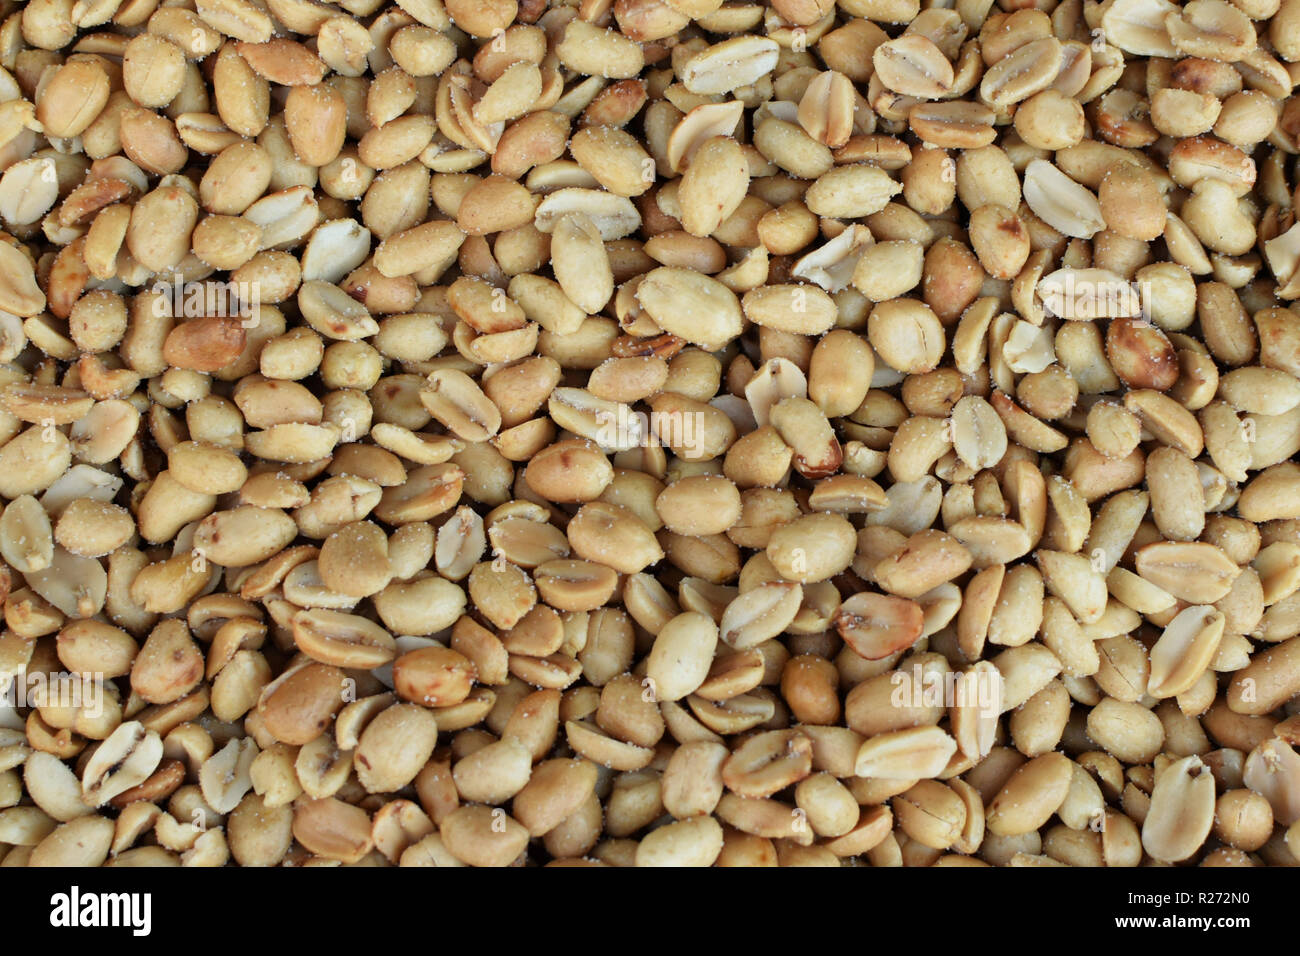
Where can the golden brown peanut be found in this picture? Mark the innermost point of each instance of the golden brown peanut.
(433, 676)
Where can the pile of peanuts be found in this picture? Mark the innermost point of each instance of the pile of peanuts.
(650, 432)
